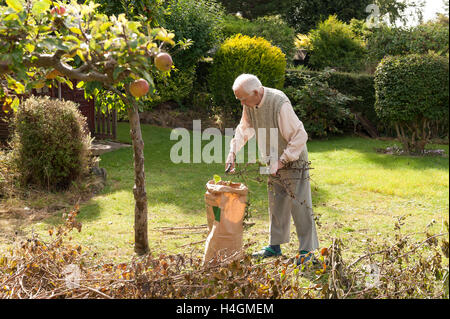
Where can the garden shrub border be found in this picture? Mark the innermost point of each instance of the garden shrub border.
(354, 84)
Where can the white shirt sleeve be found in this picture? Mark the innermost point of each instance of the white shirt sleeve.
(242, 135)
(293, 131)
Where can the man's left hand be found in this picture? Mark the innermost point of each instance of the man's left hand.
(274, 168)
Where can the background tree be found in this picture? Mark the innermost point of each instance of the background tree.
(255, 8)
(400, 11)
(304, 15)
(43, 40)
(334, 44)
(152, 10)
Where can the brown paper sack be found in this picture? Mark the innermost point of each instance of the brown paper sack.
(225, 209)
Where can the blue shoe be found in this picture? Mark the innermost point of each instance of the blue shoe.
(304, 257)
(266, 252)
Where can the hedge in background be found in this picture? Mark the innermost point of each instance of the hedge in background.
(385, 41)
(242, 54)
(352, 84)
(50, 145)
(322, 109)
(412, 93)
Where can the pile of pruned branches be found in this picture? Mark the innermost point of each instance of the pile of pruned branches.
(61, 269)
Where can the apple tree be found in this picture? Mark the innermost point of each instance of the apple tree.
(42, 41)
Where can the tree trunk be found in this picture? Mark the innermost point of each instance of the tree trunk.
(367, 125)
(140, 195)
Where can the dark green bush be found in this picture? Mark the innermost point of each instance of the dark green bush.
(304, 15)
(242, 54)
(352, 84)
(174, 88)
(252, 9)
(272, 28)
(334, 44)
(385, 40)
(201, 22)
(322, 109)
(198, 20)
(50, 144)
(412, 93)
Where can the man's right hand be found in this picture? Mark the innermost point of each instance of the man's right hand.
(229, 165)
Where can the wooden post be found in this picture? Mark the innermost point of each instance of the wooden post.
(114, 124)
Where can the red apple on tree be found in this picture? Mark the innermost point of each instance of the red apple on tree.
(60, 10)
(6, 107)
(139, 88)
(163, 61)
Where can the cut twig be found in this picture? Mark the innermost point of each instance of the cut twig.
(194, 243)
(163, 229)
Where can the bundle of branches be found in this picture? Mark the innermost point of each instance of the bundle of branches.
(392, 268)
(60, 269)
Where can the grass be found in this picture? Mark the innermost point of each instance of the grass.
(357, 195)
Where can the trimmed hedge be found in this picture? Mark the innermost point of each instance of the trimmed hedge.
(51, 143)
(412, 93)
(242, 54)
(421, 39)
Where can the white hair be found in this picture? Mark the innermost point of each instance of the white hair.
(248, 82)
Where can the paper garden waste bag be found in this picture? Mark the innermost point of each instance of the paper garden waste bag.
(225, 209)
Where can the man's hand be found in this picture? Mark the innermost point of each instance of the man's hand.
(229, 165)
(275, 167)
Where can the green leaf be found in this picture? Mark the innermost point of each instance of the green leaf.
(40, 7)
(117, 71)
(217, 178)
(16, 5)
(66, 81)
(105, 26)
(15, 103)
(80, 84)
(75, 30)
(107, 44)
(29, 47)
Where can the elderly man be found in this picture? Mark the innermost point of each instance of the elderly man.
(265, 110)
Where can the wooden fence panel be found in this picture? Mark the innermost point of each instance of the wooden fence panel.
(106, 124)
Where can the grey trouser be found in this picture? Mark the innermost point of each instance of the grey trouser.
(281, 206)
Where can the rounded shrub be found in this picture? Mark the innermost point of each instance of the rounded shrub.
(334, 44)
(50, 144)
(412, 93)
(243, 54)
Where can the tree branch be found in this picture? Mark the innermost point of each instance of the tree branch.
(54, 61)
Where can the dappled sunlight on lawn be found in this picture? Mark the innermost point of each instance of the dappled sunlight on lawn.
(357, 194)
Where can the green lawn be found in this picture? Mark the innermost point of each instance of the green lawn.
(357, 193)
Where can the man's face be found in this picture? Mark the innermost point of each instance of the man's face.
(250, 100)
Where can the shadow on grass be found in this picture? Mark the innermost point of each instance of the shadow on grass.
(183, 185)
(88, 212)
